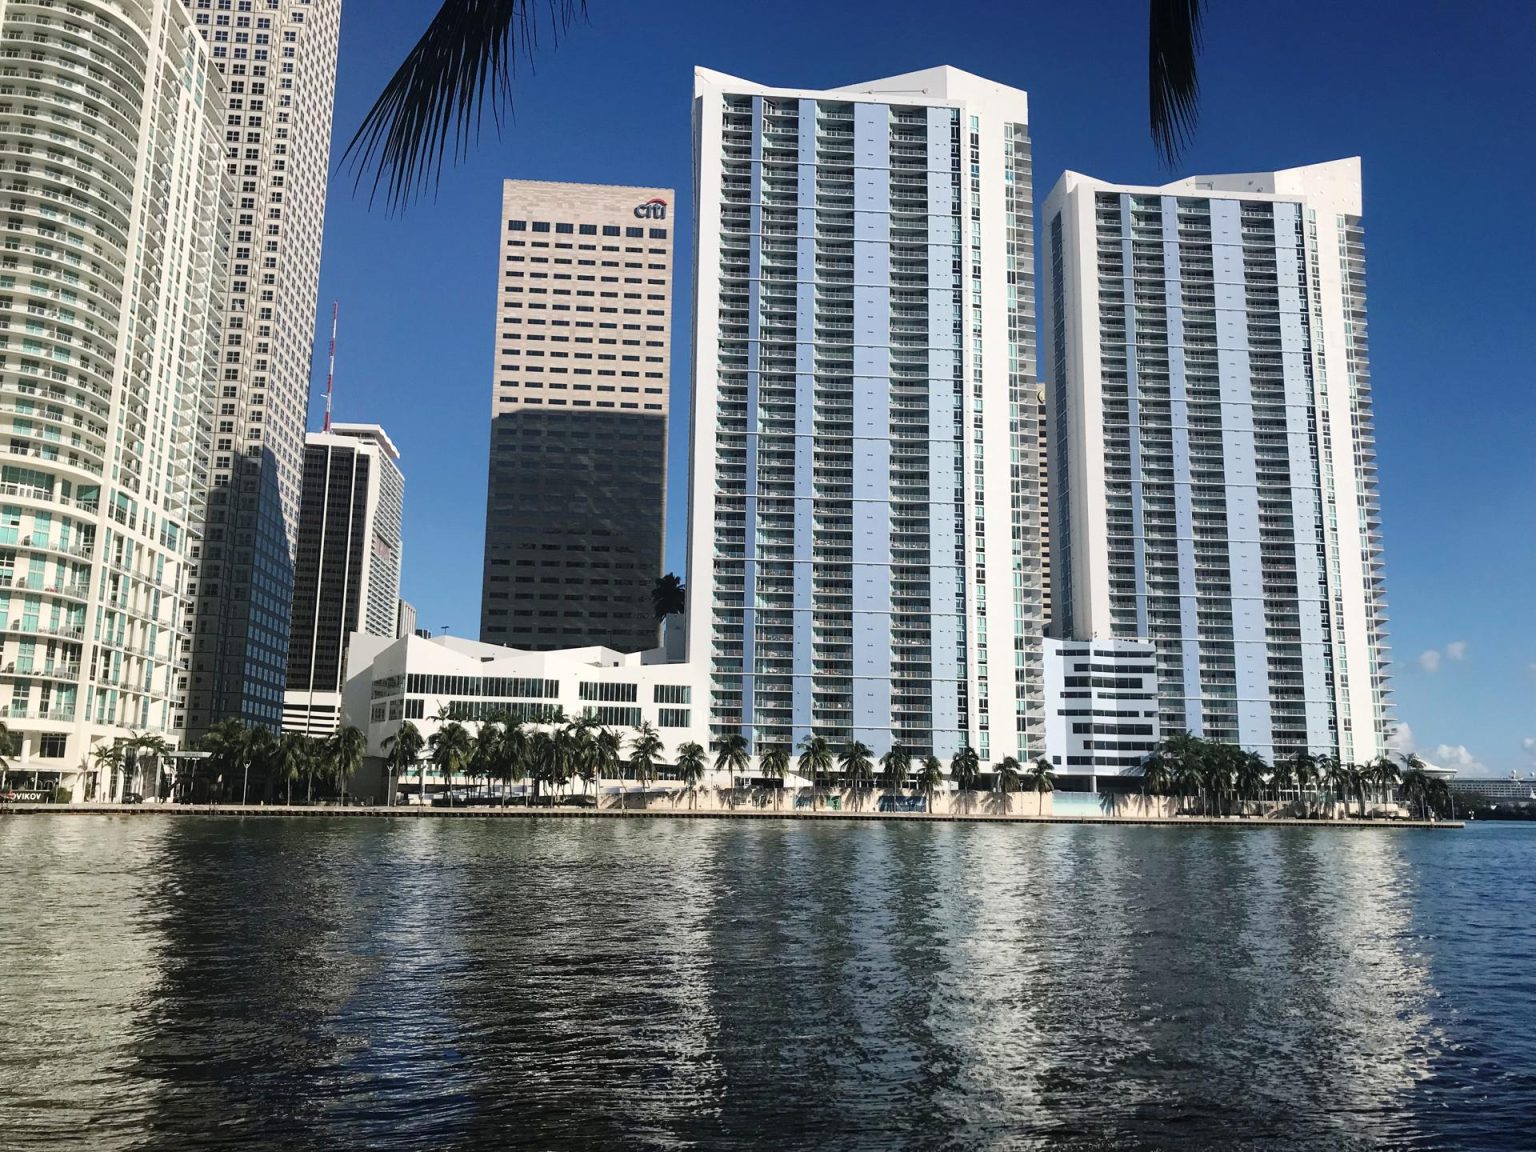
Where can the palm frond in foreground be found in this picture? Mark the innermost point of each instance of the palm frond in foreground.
(463, 64)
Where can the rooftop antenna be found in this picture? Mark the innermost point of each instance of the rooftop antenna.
(330, 372)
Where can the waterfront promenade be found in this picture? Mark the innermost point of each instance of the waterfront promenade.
(667, 811)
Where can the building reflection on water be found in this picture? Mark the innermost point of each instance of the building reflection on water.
(196, 983)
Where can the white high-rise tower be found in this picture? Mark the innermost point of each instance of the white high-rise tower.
(1213, 460)
(111, 281)
(278, 58)
(864, 555)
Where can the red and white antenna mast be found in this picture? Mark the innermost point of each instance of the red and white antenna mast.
(330, 372)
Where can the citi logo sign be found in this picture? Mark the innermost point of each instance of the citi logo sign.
(653, 209)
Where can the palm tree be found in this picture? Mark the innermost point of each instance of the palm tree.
(668, 597)
(449, 750)
(1440, 797)
(607, 757)
(260, 754)
(1415, 782)
(344, 752)
(543, 760)
(465, 61)
(512, 757)
(144, 747)
(1333, 774)
(815, 763)
(1218, 765)
(1184, 755)
(734, 758)
(690, 769)
(401, 751)
(1042, 777)
(1007, 774)
(858, 765)
(1303, 774)
(290, 760)
(109, 759)
(930, 776)
(485, 756)
(644, 750)
(1386, 776)
(226, 743)
(895, 767)
(965, 769)
(1156, 774)
(578, 754)
(1249, 778)
(774, 765)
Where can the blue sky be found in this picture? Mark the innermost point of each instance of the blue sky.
(1439, 100)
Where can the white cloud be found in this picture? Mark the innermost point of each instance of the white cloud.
(1401, 740)
(1456, 756)
(1456, 650)
(1529, 744)
(1430, 661)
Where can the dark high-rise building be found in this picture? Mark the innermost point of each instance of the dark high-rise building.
(576, 499)
(347, 575)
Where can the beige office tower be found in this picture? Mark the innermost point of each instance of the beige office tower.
(279, 63)
(576, 501)
(111, 281)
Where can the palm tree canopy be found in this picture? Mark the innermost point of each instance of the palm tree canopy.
(669, 597)
(465, 62)
(644, 750)
(690, 762)
(733, 756)
(815, 757)
(774, 762)
(1173, 83)
(857, 763)
(405, 746)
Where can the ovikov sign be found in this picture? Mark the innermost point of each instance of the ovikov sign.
(653, 209)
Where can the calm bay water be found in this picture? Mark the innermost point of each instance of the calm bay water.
(197, 983)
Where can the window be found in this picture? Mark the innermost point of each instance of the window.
(672, 717)
(563, 228)
(671, 694)
(51, 747)
(658, 233)
(604, 691)
(588, 229)
(541, 226)
(610, 229)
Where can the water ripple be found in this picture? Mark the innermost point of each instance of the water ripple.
(214, 984)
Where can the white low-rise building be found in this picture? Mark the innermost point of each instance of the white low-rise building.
(1101, 708)
(424, 679)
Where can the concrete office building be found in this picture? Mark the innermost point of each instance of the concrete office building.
(419, 679)
(278, 58)
(576, 498)
(405, 619)
(347, 574)
(1213, 461)
(864, 545)
(111, 146)
(1101, 709)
